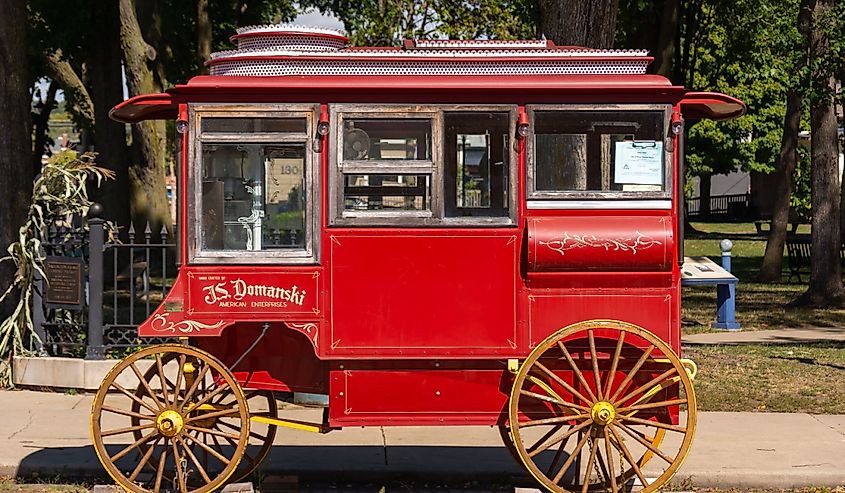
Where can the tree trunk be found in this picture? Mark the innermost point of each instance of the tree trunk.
(704, 196)
(825, 287)
(41, 127)
(147, 185)
(106, 80)
(772, 266)
(203, 34)
(15, 170)
(665, 53)
(590, 23)
(76, 94)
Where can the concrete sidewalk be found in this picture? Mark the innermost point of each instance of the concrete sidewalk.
(47, 434)
(774, 336)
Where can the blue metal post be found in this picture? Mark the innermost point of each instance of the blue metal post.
(726, 294)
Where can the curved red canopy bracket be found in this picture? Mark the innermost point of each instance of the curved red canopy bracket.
(712, 105)
(145, 107)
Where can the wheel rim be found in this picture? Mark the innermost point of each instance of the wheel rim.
(184, 392)
(591, 405)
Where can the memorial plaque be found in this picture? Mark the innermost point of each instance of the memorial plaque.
(64, 287)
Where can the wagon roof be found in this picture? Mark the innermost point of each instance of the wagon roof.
(299, 63)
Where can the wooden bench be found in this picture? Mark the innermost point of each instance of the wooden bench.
(758, 225)
(798, 255)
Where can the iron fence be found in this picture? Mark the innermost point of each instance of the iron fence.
(124, 281)
(736, 206)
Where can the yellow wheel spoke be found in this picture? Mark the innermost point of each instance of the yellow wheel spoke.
(160, 470)
(179, 475)
(632, 373)
(656, 424)
(148, 417)
(577, 372)
(575, 452)
(594, 357)
(133, 397)
(652, 405)
(589, 469)
(129, 429)
(649, 386)
(615, 364)
(191, 391)
(193, 458)
(215, 414)
(162, 380)
(611, 471)
(210, 450)
(630, 458)
(561, 438)
(558, 419)
(144, 460)
(645, 443)
(133, 446)
(565, 385)
(146, 386)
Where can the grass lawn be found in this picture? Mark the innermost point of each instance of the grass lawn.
(778, 378)
(808, 378)
(759, 306)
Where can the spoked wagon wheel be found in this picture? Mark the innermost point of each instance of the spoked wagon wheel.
(260, 403)
(152, 421)
(592, 403)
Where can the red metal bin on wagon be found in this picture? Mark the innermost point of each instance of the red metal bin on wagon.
(446, 233)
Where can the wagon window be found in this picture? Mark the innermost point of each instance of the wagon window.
(251, 179)
(476, 155)
(253, 197)
(599, 151)
(386, 166)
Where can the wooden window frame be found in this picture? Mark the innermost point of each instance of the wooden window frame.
(309, 254)
(435, 168)
(530, 173)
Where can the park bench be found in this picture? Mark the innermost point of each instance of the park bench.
(798, 256)
(758, 225)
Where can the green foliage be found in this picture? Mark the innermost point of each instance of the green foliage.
(388, 22)
(60, 193)
(749, 51)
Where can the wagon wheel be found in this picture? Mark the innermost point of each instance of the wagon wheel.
(591, 404)
(155, 446)
(260, 403)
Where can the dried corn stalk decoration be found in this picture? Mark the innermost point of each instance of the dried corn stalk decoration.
(58, 194)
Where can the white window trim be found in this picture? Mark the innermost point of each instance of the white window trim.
(308, 255)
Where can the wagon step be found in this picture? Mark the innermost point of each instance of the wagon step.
(292, 423)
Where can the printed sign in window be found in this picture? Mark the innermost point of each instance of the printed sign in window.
(639, 163)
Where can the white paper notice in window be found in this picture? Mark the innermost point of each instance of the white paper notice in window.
(639, 163)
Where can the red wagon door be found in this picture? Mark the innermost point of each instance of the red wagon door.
(423, 248)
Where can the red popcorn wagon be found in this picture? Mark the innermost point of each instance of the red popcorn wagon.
(447, 233)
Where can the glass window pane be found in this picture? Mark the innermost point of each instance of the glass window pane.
(253, 196)
(599, 151)
(251, 125)
(387, 192)
(386, 139)
(476, 163)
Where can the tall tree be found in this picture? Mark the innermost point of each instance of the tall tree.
(825, 287)
(590, 23)
(146, 174)
(15, 171)
(794, 49)
(772, 267)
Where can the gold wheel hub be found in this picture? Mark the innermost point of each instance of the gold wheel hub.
(169, 423)
(603, 413)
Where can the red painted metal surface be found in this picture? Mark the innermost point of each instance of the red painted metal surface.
(415, 325)
(608, 243)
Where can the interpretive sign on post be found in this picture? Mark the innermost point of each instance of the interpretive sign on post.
(64, 288)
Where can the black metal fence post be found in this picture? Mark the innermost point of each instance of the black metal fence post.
(94, 349)
(38, 315)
